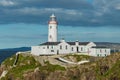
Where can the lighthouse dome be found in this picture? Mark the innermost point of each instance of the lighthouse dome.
(52, 22)
(52, 19)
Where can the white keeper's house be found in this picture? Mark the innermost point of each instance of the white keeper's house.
(62, 47)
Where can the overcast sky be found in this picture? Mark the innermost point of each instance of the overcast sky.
(24, 22)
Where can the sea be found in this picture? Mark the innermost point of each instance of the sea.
(5, 53)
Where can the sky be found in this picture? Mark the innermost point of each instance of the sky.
(25, 22)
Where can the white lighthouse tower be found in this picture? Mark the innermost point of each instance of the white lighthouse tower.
(52, 29)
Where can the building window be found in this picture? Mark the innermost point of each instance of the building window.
(52, 50)
(43, 47)
(81, 48)
(50, 27)
(105, 55)
(52, 47)
(50, 36)
(60, 47)
(98, 55)
(72, 48)
(105, 50)
(66, 46)
(47, 47)
(100, 51)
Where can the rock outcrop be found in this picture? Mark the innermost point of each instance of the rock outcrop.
(28, 68)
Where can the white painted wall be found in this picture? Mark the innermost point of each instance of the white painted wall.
(52, 32)
(36, 50)
(91, 44)
(64, 48)
(100, 51)
(51, 50)
(61, 49)
(43, 50)
(74, 50)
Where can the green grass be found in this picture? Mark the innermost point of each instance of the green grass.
(51, 68)
(9, 62)
(18, 71)
(115, 70)
(26, 60)
(27, 64)
(112, 73)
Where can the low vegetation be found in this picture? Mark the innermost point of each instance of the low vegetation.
(9, 62)
(26, 64)
(109, 68)
(27, 68)
(51, 68)
(77, 58)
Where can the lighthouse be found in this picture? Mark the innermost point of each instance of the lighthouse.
(52, 29)
(52, 47)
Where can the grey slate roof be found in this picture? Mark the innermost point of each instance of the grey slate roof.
(83, 43)
(50, 43)
(80, 43)
(70, 43)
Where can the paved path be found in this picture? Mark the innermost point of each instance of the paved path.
(70, 62)
(3, 74)
(16, 59)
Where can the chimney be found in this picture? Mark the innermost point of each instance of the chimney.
(77, 43)
(62, 40)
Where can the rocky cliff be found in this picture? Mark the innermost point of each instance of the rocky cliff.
(29, 68)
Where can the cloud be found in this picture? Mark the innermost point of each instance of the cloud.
(68, 12)
(117, 7)
(7, 3)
